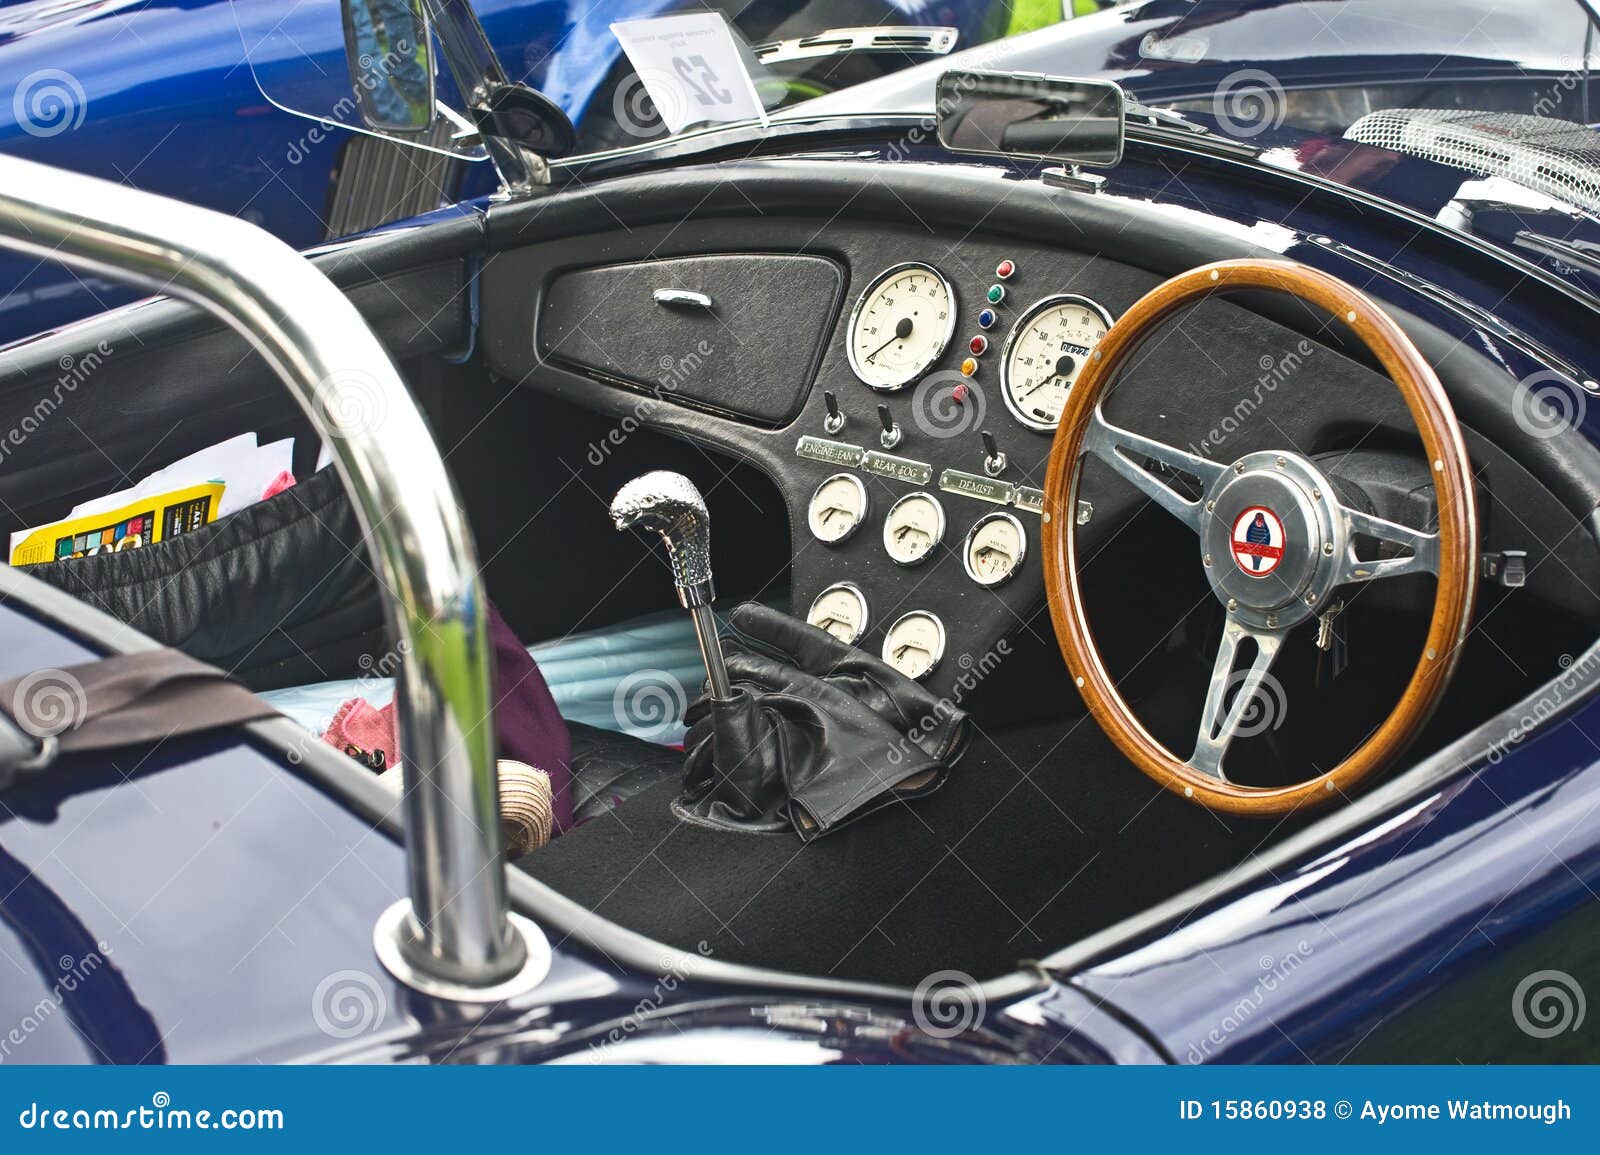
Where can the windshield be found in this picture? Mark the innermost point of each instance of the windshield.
(624, 71)
(1313, 65)
(627, 72)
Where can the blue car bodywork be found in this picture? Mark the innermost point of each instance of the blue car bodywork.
(1388, 921)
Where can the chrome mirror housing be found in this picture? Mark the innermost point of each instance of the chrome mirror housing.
(454, 936)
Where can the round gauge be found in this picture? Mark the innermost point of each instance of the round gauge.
(1044, 355)
(994, 549)
(837, 508)
(841, 609)
(914, 643)
(901, 325)
(912, 527)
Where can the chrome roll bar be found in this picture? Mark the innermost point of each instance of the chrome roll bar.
(453, 936)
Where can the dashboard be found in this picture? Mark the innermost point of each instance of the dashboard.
(899, 380)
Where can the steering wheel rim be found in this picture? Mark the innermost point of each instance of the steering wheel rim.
(1326, 562)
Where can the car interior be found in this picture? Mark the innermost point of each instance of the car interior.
(708, 320)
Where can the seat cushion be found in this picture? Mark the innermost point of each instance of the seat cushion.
(608, 767)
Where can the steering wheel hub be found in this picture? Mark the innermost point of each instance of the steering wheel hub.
(1265, 531)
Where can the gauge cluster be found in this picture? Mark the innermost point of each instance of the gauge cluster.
(935, 470)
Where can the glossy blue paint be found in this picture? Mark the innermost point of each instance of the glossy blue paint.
(1355, 933)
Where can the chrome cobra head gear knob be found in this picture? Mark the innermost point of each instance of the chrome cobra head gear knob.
(669, 504)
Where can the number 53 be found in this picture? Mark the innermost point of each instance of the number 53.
(705, 86)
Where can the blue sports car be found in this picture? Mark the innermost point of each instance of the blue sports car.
(1081, 550)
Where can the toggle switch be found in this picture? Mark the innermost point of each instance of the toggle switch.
(834, 421)
(994, 461)
(891, 435)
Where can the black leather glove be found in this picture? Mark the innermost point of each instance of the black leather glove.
(815, 745)
(933, 723)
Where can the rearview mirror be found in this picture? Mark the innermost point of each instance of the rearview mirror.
(389, 49)
(1078, 122)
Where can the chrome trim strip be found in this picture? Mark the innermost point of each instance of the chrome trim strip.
(316, 341)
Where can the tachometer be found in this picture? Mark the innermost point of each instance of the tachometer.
(1044, 355)
(901, 325)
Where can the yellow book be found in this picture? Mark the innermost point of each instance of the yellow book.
(140, 522)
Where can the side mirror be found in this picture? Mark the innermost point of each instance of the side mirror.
(389, 49)
(1077, 122)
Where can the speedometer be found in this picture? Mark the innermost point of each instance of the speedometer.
(1044, 355)
(901, 325)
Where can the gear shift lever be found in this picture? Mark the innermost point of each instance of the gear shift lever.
(670, 504)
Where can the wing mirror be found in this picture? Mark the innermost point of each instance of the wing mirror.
(1077, 122)
(389, 49)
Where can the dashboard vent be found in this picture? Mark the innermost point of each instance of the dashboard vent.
(1554, 157)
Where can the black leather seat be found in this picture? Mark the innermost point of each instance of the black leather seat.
(609, 767)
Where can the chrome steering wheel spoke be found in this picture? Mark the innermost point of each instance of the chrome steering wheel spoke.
(1222, 719)
(1127, 452)
(1422, 558)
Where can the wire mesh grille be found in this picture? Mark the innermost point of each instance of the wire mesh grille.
(1555, 157)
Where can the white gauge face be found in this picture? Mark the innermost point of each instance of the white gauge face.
(837, 508)
(1044, 355)
(994, 549)
(842, 611)
(912, 527)
(901, 326)
(914, 643)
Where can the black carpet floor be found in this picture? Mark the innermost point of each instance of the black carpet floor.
(1040, 836)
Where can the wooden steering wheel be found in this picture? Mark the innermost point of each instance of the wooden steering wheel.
(1275, 542)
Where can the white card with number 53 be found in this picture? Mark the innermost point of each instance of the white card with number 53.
(691, 68)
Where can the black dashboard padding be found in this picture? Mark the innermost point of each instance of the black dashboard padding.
(753, 354)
